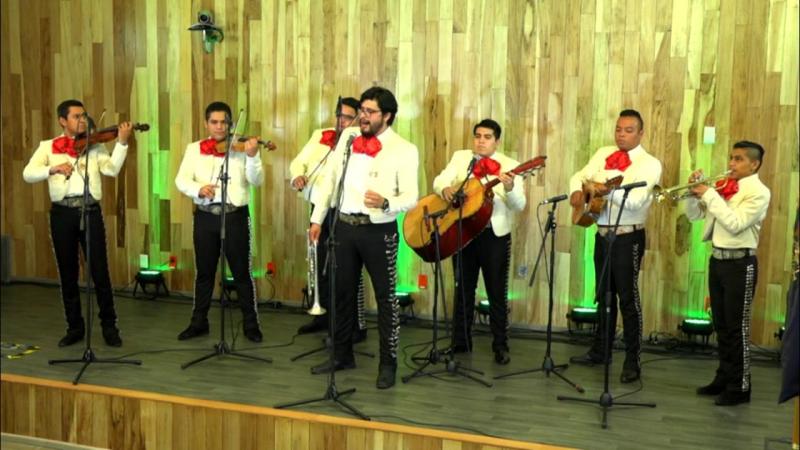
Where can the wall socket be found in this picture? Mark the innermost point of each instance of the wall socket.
(522, 271)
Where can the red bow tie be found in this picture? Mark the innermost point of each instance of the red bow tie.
(485, 167)
(209, 147)
(328, 138)
(619, 160)
(727, 188)
(369, 146)
(64, 144)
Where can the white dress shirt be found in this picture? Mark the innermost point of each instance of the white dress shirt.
(732, 224)
(100, 162)
(504, 203)
(313, 157)
(392, 173)
(644, 167)
(198, 170)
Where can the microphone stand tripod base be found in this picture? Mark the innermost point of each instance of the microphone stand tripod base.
(451, 366)
(89, 358)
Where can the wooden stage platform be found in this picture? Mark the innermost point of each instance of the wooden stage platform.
(227, 403)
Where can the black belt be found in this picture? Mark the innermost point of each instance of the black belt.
(76, 202)
(216, 208)
(355, 219)
(732, 253)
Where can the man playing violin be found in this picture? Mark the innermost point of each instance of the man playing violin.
(380, 183)
(58, 161)
(490, 251)
(199, 178)
(631, 161)
(733, 215)
(306, 171)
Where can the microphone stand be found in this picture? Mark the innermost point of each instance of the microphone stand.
(222, 347)
(332, 393)
(548, 366)
(606, 400)
(452, 366)
(89, 356)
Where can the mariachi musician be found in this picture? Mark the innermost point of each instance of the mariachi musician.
(630, 160)
(490, 251)
(55, 161)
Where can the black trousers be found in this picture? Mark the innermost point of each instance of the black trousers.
(323, 278)
(67, 236)
(731, 286)
(626, 260)
(237, 252)
(373, 246)
(490, 255)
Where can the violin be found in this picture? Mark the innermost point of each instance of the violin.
(238, 144)
(103, 135)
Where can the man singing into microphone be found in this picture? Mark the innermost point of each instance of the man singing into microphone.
(199, 179)
(380, 182)
(57, 161)
(629, 159)
(306, 171)
(490, 251)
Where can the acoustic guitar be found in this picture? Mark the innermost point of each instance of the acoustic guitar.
(585, 215)
(476, 212)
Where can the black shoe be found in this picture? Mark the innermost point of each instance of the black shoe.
(326, 367)
(111, 336)
(359, 336)
(460, 348)
(587, 359)
(501, 357)
(386, 376)
(254, 334)
(192, 331)
(71, 337)
(629, 375)
(318, 323)
(711, 389)
(730, 398)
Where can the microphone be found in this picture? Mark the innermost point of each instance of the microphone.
(472, 162)
(635, 185)
(350, 142)
(339, 107)
(555, 199)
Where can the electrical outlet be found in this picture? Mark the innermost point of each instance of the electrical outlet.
(522, 271)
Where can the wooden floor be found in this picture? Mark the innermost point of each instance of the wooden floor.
(521, 408)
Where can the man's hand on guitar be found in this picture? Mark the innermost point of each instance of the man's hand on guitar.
(447, 193)
(507, 180)
(576, 199)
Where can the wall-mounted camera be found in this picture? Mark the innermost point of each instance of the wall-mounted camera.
(212, 34)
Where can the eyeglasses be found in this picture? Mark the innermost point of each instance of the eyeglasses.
(368, 112)
(347, 117)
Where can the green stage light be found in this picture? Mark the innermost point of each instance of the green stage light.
(404, 299)
(150, 277)
(698, 327)
(583, 315)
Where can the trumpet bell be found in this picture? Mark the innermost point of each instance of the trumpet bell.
(316, 310)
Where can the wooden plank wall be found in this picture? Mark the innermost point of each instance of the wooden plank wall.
(123, 419)
(553, 73)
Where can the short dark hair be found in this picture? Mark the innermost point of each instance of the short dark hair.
(488, 123)
(754, 151)
(219, 106)
(633, 113)
(351, 102)
(63, 108)
(385, 99)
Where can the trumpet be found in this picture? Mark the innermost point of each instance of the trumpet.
(313, 286)
(674, 193)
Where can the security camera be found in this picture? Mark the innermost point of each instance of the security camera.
(205, 17)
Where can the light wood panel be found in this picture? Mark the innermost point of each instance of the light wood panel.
(554, 74)
(119, 418)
